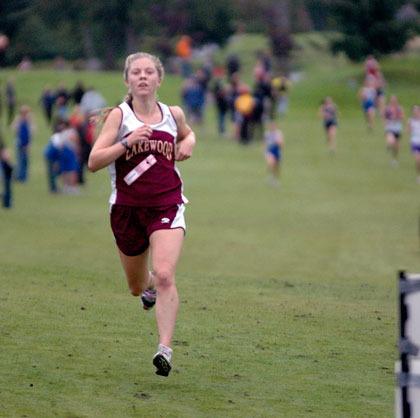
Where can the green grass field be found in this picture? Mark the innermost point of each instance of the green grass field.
(288, 296)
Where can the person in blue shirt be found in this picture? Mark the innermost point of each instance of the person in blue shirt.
(23, 128)
(194, 99)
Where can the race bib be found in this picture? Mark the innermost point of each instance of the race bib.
(139, 169)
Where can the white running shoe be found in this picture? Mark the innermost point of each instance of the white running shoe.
(162, 360)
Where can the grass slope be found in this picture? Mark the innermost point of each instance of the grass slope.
(288, 296)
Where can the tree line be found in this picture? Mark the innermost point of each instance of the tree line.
(110, 29)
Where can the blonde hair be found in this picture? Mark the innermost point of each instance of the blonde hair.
(104, 113)
(133, 57)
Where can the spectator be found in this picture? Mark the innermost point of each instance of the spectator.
(61, 156)
(183, 51)
(63, 93)
(280, 87)
(23, 127)
(263, 100)
(6, 171)
(61, 109)
(233, 65)
(86, 137)
(193, 97)
(78, 92)
(25, 64)
(47, 102)
(221, 100)
(10, 100)
(92, 101)
(244, 107)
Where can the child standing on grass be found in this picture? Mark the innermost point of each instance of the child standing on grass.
(274, 144)
(414, 129)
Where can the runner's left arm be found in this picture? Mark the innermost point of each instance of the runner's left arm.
(186, 137)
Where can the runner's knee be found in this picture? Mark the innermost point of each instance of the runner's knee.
(163, 278)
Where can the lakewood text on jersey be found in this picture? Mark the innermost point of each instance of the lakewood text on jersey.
(146, 145)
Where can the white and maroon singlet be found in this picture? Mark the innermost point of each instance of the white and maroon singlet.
(161, 184)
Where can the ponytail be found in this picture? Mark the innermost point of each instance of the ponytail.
(100, 116)
(128, 98)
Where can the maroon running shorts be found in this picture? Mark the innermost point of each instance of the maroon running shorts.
(132, 226)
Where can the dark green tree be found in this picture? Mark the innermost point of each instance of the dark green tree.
(369, 27)
(12, 13)
(209, 21)
(274, 18)
(43, 29)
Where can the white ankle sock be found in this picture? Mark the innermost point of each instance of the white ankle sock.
(165, 350)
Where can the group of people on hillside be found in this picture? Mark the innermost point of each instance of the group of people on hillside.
(23, 129)
(249, 109)
(373, 102)
(254, 109)
(70, 115)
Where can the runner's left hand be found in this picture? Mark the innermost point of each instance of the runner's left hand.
(183, 150)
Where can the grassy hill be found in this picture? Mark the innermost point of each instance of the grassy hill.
(288, 295)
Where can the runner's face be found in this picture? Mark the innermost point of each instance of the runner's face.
(142, 77)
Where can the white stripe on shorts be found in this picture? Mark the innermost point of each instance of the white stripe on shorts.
(179, 220)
